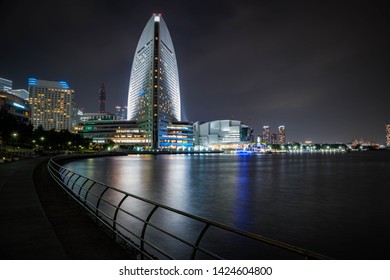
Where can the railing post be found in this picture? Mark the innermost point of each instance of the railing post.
(82, 186)
(74, 182)
(69, 177)
(90, 187)
(195, 246)
(145, 225)
(117, 210)
(100, 198)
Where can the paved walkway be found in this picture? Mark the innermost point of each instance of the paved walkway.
(38, 221)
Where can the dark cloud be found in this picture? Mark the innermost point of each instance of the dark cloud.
(320, 68)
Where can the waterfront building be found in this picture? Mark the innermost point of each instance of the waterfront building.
(154, 92)
(282, 134)
(387, 135)
(86, 117)
(51, 104)
(274, 138)
(15, 106)
(102, 99)
(121, 112)
(222, 135)
(125, 132)
(179, 137)
(266, 135)
(22, 93)
(5, 85)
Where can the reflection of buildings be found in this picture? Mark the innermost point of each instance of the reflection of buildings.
(154, 94)
(387, 135)
(51, 104)
(222, 135)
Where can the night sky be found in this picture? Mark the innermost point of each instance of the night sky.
(319, 67)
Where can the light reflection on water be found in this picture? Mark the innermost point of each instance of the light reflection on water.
(335, 204)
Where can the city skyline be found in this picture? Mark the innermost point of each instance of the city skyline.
(319, 69)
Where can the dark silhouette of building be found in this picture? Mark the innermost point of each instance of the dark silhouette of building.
(102, 99)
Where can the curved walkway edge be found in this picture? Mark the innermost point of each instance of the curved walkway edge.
(39, 221)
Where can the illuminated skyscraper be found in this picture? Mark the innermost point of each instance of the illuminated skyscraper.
(266, 134)
(154, 93)
(282, 134)
(387, 135)
(51, 104)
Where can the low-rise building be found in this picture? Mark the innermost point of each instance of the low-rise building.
(222, 135)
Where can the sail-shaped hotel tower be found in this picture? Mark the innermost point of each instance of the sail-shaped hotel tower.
(154, 92)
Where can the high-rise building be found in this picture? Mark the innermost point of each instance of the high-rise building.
(102, 99)
(282, 134)
(387, 135)
(51, 104)
(154, 92)
(121, 112)
(266, 134)
(274, 138)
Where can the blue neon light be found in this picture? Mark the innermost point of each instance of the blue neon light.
(18, 105)
(64, 84)
(32, 81)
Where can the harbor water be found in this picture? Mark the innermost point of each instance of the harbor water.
(335, 204)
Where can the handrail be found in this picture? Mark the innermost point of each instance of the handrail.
(62, 177)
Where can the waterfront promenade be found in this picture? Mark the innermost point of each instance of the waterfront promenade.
(38, 221)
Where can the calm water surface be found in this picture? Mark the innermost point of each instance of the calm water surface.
(334, 204)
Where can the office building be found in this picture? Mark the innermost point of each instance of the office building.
(86, 117)
(154, 92)
(51, 104)
(120, 132)
(274, 138)
(15, 106)
(266, 135)
(121, 112)
(179, 137)
(282, 134)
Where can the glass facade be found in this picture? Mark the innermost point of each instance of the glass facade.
(154, 92)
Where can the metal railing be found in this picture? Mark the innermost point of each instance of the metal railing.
(158, 231)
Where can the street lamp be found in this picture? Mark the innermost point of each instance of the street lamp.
(14, 135)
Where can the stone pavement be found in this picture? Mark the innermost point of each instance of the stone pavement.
(39, 221)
